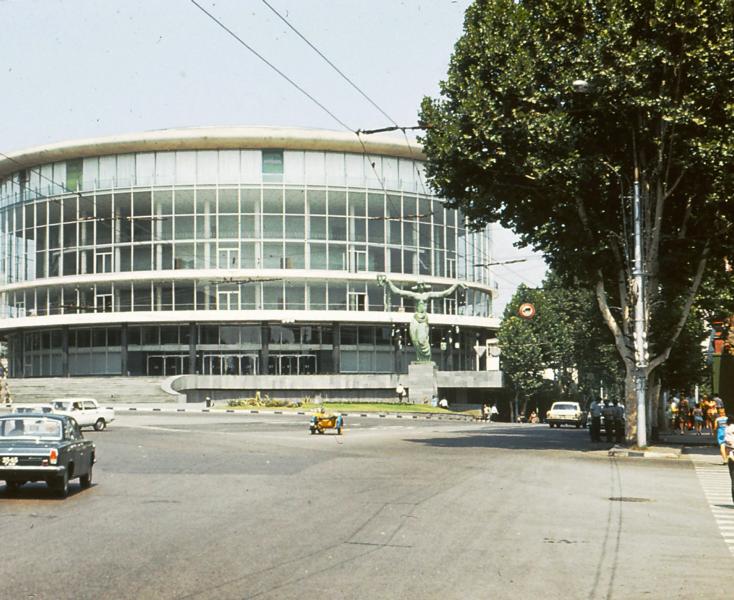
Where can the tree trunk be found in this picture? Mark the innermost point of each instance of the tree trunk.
(630, 403)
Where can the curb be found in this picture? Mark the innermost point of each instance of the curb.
(427, 416)
(625, 453)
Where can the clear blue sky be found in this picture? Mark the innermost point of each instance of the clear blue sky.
(86, 68)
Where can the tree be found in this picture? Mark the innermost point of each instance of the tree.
(512, 140)
(521, 358)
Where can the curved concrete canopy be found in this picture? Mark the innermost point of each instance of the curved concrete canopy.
(213, 138)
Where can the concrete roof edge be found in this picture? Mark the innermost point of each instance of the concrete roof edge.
(213, 138)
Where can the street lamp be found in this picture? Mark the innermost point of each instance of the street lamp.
(582, 86)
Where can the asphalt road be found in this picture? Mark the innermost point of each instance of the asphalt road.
(230, 506)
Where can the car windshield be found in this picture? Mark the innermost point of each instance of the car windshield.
(62, 405)
(30, 427)
(564, 407)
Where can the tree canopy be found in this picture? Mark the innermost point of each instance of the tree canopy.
(512, 139)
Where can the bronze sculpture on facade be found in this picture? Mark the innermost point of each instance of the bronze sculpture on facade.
(419, 327)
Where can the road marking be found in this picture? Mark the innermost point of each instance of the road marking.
(715, 484)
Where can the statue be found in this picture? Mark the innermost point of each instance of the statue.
(419, 330)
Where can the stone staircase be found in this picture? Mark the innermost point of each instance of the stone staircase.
(105, 390)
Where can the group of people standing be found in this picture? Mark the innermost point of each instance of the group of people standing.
(610, 416)
(689, 415)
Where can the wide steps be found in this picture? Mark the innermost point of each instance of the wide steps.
(103, 389)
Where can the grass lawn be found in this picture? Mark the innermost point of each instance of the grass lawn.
(354, 407)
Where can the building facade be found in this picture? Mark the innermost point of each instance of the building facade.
(239, 251)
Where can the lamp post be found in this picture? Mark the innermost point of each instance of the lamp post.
(581, 86)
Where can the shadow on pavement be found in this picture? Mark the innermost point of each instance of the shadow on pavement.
(530, 437)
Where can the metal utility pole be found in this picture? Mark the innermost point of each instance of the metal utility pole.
(641, 356)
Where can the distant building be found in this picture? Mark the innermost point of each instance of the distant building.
(238, 251)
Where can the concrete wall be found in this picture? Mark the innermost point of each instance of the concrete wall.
(334, 388)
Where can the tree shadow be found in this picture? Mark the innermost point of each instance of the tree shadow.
(530, 437)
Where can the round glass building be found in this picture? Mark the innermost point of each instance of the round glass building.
(231, 251)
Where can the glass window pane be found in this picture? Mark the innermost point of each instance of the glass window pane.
(229, 227)
(318, 256)
(184, 202)
(357, 202)
(317, 202)
(318, 228)
(228, 200)
(272, 255)
(272, 201)
(295, 256)
(294, 202)
(337, 228)
(295, 228)
(250, 226)
(184, 228)
(337, 202)
(337, 257)
(273, 226)
(250, 200)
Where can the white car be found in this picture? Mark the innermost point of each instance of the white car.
(565, 413)
(33, 408)
(86, 411)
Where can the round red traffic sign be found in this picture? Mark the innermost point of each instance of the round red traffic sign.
(526, 310)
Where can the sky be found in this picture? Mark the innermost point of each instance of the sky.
(88, 68)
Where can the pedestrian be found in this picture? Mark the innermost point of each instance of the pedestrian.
(698, 417)
(729, 443)
(493, 412)
(400, 392)
(721, 423)
(683, 410)
(711, 412)
(619, 430)
(443, 403)
(485, 412)
(608, 414)
(595, 412)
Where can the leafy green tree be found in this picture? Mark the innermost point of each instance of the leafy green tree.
(512, 139)
(521, 358)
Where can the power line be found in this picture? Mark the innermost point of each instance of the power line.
(271, 65)
(331, 64)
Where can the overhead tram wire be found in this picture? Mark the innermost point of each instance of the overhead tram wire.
(298, 87)
(357, 132)
(271, 65)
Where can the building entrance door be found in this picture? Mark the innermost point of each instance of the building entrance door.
(164, 365)
(292, 364)
(230, 364)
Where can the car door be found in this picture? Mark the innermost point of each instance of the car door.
(80, 414)
(75, 447)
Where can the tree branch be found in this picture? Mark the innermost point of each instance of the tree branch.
(691, 296)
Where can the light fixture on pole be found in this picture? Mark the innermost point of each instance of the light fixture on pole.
(581, 86)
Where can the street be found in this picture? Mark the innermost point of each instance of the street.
(253, 506)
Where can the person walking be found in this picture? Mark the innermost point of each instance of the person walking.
(493, 413)
(619, 430)
(721, 424)
(608, 414)
(729, 445)
(683, 410)
(595, 413)
(698, 418)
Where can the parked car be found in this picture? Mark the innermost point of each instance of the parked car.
(565, 413)
(44, 447)
(33, 408)
(86, 411)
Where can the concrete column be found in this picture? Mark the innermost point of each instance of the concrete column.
(123, 349)
(264, 349)
(192, 348)
(336, 351)
(65, 351)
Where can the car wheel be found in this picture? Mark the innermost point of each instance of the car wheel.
(60, 485)
(12, 487)
(86, 480)
(100, 424)
(578, 425)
